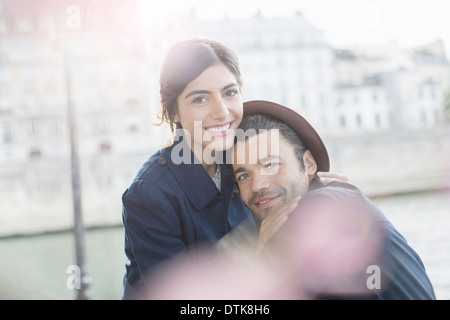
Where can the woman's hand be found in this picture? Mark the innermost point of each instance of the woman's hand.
(271, 224)
(327, 177)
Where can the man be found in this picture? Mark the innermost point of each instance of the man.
(336, 241)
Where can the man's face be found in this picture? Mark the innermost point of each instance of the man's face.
(271, 174)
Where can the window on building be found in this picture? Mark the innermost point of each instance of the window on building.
(358, 121)
(49, 73)
(280, 61)
(437, 117)
(7, 137)
(324, 119)
(25, 47)
(105, 147)
(22, 24)
(375, 96)
(423, 117)
(299, 59)
(33, 128)
(2, 77)
(322, 99)
(132, 122)
(99, 124)
(317, 59)
(432, 92)
(54, 127)
(377, 120)
(27, 74)
(303, 100)
(339, 100)
(300, 79)
(343, 122)
(35, 153)
(319, 78)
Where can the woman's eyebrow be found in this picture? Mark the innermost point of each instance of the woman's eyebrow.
(197, 92)
(230, 85)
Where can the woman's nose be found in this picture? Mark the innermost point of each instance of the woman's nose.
(220, 110)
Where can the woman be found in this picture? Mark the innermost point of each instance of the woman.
(182, 196)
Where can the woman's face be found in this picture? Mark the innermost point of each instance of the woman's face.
(210, 109)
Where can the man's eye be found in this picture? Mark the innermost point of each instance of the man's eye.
(270, 168)
(272, 165)
(242, 177)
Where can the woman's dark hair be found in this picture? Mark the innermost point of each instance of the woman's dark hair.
(257, 123)
(184, 62)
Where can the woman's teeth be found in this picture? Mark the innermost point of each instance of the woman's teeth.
(219, 129)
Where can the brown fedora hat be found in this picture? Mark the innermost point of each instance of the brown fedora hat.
(298, 123)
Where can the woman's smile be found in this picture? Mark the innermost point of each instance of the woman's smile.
(220, 130)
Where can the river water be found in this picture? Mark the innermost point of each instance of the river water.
(36, 267)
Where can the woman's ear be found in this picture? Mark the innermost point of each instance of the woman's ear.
(310, 163)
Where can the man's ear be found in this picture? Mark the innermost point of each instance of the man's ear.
(310, 163)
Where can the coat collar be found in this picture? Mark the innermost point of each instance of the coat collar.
(193, 178)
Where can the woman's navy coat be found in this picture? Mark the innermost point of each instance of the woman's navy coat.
(171, 207)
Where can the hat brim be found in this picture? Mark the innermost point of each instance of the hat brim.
(298, 123)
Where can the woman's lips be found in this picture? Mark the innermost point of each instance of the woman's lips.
(220, 130)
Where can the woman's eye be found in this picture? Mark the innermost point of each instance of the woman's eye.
(199, 100)
(232, 93)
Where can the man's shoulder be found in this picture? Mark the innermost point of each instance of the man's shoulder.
(341, 197)
(333, 189)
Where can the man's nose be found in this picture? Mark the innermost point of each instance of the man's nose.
(259, 182)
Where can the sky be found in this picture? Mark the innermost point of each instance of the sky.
(345, 23)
